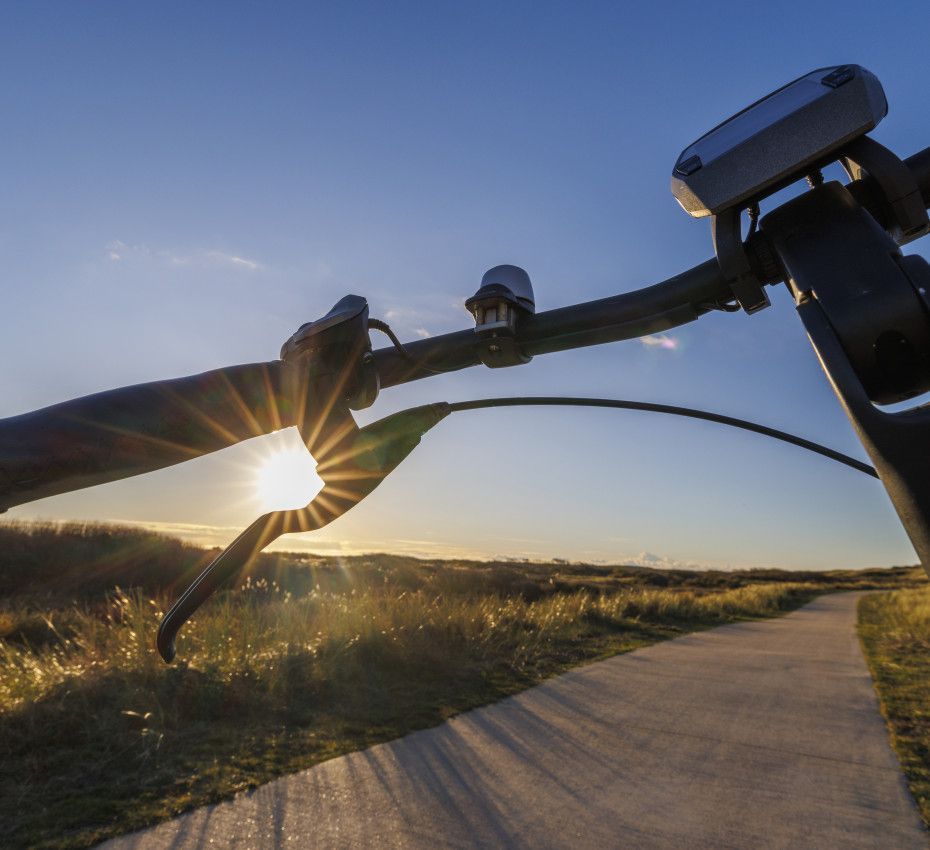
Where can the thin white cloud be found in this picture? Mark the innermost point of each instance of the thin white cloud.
(117, 251)
(233, 260)
(663, 562)
(416, 319)
(408, 320)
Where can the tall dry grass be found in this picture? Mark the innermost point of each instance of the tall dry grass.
(904, 614)
(895, 632)
(252, 632)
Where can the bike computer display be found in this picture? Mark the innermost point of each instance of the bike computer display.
(778, 139)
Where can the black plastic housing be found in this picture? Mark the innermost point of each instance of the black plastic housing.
(778, 139)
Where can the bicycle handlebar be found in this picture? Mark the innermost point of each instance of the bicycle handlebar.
(138, 429)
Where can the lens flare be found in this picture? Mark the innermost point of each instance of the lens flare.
(666, 341)
(287, 479)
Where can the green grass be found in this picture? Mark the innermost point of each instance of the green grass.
(309, 658)
(895, 632)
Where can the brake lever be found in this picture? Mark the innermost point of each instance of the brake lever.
(351, 461)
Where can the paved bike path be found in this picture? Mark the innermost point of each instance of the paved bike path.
(761, 735)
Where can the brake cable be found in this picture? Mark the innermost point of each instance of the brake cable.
(385, 328)
(400, 348)
(673, 410)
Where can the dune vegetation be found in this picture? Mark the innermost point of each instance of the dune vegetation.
(308, 657)
(895, 633)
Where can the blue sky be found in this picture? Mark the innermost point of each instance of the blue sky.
(184, 184)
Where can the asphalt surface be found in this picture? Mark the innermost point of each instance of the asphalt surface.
(756, 735)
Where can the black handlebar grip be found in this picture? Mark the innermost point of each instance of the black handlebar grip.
(137, 429)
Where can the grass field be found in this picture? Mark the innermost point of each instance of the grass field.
(895, 632)
(307, 658)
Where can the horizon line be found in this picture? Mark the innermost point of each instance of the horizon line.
(218, 536)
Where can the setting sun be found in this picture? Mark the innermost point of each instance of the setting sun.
(287, 479)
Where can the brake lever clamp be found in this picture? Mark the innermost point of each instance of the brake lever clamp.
(337, 348)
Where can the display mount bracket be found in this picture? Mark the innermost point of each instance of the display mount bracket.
(748, 290)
